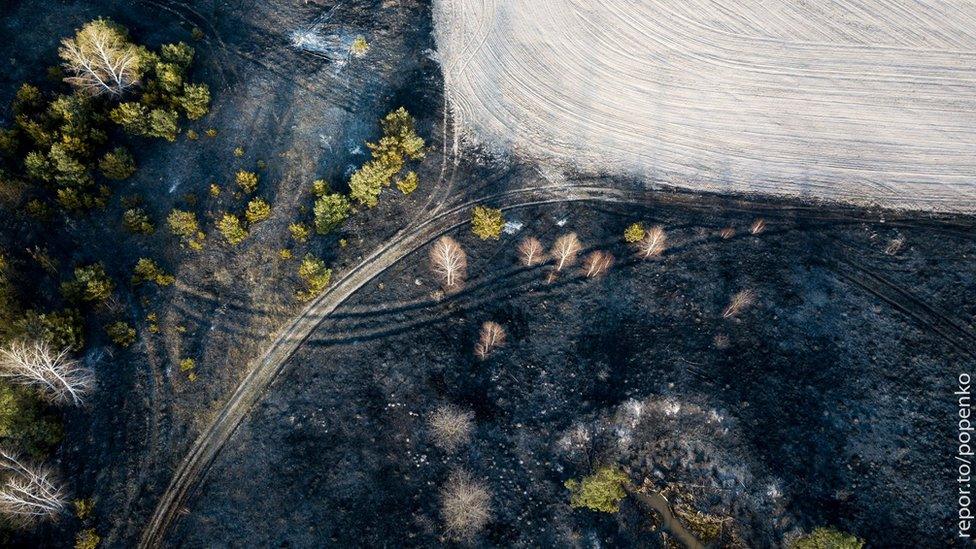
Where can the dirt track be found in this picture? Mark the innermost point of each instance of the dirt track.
(852, 101)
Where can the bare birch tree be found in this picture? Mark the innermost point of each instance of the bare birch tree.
(565, 249)
(653, 244)
(597, 263)
(492, 337)
(465, 505)
(101, 59)
(739, 302)
(530, 252)
(449, 262)
(27, 493)
(727, 233)
(758, 226)
(57, 376)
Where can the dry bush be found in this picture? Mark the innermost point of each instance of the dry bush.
(465, 506)
(530, 252)
(758, 226)
(565, 249)
(449, 262)
(450, 427)
(27, 493)
(739, 302)
(727, 233)
(597, 263)
(653, 244)
(101, 59)
(492, 337)
(894, 246)
(57, 376)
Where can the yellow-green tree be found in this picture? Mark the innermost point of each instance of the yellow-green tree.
(601, 491)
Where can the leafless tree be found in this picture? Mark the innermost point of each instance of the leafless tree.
(758, 226)
(739, 301)
(449, 262)
(565, 249)
(727, 233)
(57, 376)
(465, 505)
(653, 244)
(101, 60)
(27, 492)
(492, 337)
(530, 252)
(597, 263)
(451, 427)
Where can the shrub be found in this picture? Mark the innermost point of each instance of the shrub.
(321, 187)
(60, 329)
(212, 132)
(214, 190)
(300, 232)
(601, 491)
(465, 506)
(315, 275)
(634, 233)
(409, 183)
(195, 100)
(87, 539)
(133, 117)
(84, 508)
(230, 226)
(827, 538)
(25, 422)
(330, 211)
(450, 427)
(238, 152)
(121, 333)
(187, 364)
(367, 182)
(284, 254)
(163, 123)
(184, 225)
(359, 46)
(192, 135)
(91, 283)
(137, 221)
(146, 270)
(399, 141)
(487, 222)
(117, 164)
(257, 211)
(247, 181)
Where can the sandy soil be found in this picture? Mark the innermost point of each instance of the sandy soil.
(852, 101)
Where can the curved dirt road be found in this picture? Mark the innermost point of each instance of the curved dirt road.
(249, 392)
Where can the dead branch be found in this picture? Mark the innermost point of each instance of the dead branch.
(653, 244)
(565, 249)
(492, 337)
(27, 492)
(57, 376)
(597, 263)
(530, 252)
(739, 302)
(449, 262)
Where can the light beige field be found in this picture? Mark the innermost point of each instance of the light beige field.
(862, 101)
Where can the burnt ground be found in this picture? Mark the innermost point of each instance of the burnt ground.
(835, 389)
(837, 404)
(306, 115)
